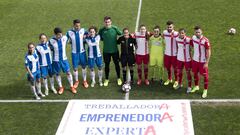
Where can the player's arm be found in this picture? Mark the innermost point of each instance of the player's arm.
(208, 54)
(101, 34)
(119, 32)
(27, 68)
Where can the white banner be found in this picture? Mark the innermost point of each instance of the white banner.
(127, 117)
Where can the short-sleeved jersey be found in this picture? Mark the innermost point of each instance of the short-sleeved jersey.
(170, 41)
(93, 46)
(142, 44)
(109, 37)
(156, 45)
(200, 45)
(31, 61)
(58, 46)
(183, 49)
(127, 44)
(44, 54)
(76, 39)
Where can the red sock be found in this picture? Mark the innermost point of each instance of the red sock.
(205, 81)
(196, 79)
(175, 74)
(179, 74)
(146, 73)
(139, 73)
(189, 77)
(169, 73)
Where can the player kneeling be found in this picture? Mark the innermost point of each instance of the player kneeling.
(183, 59)
(127, 43)
(33, 69)
(156, 54)
(45, 61)
(94, 55)
(58, 45)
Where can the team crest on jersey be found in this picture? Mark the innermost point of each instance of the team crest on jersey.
(131, 44)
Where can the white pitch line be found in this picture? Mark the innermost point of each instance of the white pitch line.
(138, 14)
(67, 100)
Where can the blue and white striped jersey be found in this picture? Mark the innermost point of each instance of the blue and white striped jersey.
(76, 39)
(93, 46)
(58, 46)
(44, 54)
(31, 61)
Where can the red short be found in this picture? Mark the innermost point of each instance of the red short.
(198, 67)
(170, 61)
(142, 59)
(186, 65)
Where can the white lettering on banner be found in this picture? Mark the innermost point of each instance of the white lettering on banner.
(127, 117)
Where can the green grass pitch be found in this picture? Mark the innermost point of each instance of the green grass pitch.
(22, 21)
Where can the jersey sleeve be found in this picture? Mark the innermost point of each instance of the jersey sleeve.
(100, 33)
(191, 42)
(119, 32)
(207, 44)
(50, 45)
(119, 40)
(26, 61)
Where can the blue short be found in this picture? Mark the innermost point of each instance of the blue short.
(46, 70)
(93, 61)
(36, 75)
(58, 65)
(79, 59)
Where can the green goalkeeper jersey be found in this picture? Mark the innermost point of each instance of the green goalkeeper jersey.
(156, 45)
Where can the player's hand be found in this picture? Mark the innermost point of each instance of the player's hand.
(205, 65)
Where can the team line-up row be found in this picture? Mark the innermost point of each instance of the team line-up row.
(170, 49)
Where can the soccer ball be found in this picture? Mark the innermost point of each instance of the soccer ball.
(126, 87)
(232, 31)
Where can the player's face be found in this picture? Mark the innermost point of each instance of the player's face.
(31, 48)
(43, 39)
(58, 35)
(108, 23)
(170, 28)
(143, 30)
(92, 32)
(77, 26)
(198, 33)
(156, 32)
(126, 33)
(182, 34)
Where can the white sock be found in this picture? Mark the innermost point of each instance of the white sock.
(38, 85)
(84, 74)
(92, 73)
(70, 79)
(51, 82)
(59, 80)
(100, 74)
(34, 90)
(75, 74)
(45, 83)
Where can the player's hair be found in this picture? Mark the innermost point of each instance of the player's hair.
(93, 27)
(41, 34)
(157, 27)
(169, 22)
(182, 29)
(125, 29)
(57, 30)
(107, 18)
(76, 21)
(197, 27)
(30, 43)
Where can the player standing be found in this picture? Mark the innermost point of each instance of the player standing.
(156, 44)
(201, 57)
(33, 68)
(170, 54)
(58, 45)
(127, 43)
(109, 35)
(45, 60)
(76, 36)
(94, 55)
(183, 59)
(142, 53)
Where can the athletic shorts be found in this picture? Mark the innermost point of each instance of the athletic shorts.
(58, 65)
(156, 60)
(186, 65)
(79, 59)
(142, 59)
(93, 61)
(127, 59)
(197, 67)
(46, 70)
(170, 61)
(36, 75)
